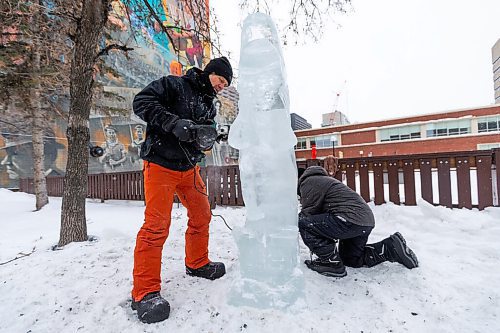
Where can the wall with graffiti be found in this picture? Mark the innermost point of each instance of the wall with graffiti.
(153, 56)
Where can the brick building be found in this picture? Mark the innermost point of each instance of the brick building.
(459, 130)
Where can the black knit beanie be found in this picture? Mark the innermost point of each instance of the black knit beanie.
(222, 67)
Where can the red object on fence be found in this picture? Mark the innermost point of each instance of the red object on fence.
(313, 152)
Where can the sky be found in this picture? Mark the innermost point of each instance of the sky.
(389, 58)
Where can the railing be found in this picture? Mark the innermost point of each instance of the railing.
(459, 179)
(223, 186)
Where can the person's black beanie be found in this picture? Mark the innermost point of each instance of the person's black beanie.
(222, 67)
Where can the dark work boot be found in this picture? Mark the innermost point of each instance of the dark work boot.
(393, 249)
(327, 267)
(152, 308)
(211, 271)
(330, 265)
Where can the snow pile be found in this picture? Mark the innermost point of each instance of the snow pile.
(86, 286)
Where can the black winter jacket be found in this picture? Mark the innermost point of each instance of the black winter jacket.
(320, 193)
(165, 101)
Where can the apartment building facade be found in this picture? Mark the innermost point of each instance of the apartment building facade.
(495, 58)
(298, 122)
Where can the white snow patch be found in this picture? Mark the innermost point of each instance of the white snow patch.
(86, 286)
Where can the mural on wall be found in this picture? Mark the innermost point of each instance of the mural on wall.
(121, 140)
(120, 136)
(16, 151)
(186, 41)
(154, 55)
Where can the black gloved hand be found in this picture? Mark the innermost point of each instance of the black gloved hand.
(184, 130)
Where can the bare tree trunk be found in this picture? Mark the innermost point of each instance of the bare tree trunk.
(37, 117)
(90, 26)
(38, 152)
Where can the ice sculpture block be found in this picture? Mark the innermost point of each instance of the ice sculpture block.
(268, 243)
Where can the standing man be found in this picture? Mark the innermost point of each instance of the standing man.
(335, 223)
(179, 113)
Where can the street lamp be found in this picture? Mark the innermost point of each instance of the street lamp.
(333, 138)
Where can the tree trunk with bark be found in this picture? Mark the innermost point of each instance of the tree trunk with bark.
(37, 121)
(90, 26)
(38, 153)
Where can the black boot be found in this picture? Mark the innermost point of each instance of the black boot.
(334, 268)
(152, 308)
(211, 271)
(393, 249)
(330, 265)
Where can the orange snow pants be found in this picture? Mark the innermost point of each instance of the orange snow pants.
(160, 185)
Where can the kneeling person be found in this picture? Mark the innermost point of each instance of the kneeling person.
(335, 223)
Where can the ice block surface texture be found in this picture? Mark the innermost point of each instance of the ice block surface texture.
(268, 243)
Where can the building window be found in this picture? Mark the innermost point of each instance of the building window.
(488, 124)
(488, 146)
(400, 133)
(301, 143)
(324, 141)
(447, 128)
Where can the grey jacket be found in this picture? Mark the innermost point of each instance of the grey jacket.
(320, 193)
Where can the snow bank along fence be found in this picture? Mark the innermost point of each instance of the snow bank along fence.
(223, 185)
(459, 179)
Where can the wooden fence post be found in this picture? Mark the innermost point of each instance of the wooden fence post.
(102, 186)
(351, 175)
(426, 179)
(444, 182)
(484, 181)
(409, 178)
(378, 182)
(364, 182)
(393, 176)
(496, 159)
(463, 182)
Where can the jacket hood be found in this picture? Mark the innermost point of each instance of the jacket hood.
(200, 79)
(313, 171)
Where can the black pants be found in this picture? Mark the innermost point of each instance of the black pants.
(320, 231)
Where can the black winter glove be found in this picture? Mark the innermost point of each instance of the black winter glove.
(184, 130)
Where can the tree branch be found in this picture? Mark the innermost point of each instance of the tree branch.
(166, 28)
(110, 47)
(157, 19)
(11, 124)
(21, 255)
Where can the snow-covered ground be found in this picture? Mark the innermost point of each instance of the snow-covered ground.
(86, 286)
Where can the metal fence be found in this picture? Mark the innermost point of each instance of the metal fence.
(460, 179)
